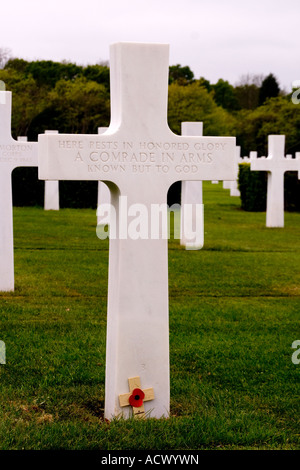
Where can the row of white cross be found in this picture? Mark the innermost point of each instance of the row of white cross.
(275, 164)
(138, 138)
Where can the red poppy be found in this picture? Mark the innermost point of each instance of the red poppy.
(136, 398)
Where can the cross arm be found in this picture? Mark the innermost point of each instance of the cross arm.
(268, 164)
(124, 398)
(115, 157)
(260, 164)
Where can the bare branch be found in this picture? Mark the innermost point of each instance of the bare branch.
(5, 55)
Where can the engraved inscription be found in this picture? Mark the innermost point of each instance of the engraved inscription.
(109, 156)
(16, 153)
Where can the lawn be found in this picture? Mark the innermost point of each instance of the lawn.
(234, 314)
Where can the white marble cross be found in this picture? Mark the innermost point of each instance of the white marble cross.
(51, 198)
(140, 158)
(252, 155)
(103, 194)
(276, 164)
(51, 190)
(192, 210)
(13, 154)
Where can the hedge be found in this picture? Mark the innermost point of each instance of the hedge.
(28, 190)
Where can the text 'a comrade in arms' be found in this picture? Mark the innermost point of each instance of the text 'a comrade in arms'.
(143, 152)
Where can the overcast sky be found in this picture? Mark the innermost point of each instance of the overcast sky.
(215, 38)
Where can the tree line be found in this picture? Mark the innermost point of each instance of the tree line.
(72, 98)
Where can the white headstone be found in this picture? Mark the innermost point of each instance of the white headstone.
(192, 210)
(51, 199)
(13, 154)
(103, 195)
(142, 158)
(276, 165)
(234, 190)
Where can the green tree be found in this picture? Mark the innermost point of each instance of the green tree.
(194, 103)
(180, 75)
(224, 95)
(78, 106)
(269, 89)
(247, 96)
(277, 116)
(45, 72)
(28, 100)
(247, 90)
(205, 83)
(19, 65)
(97, 73)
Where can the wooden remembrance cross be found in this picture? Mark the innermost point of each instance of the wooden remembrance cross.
(12, 155)
(140, 158)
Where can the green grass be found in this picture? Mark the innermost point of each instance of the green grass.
(234, 314)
